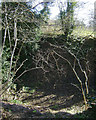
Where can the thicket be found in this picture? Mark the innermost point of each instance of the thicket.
(22, 41)
(20, 36)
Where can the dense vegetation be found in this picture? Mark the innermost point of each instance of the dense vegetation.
(43, 57)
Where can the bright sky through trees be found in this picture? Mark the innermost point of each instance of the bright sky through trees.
(83, 12)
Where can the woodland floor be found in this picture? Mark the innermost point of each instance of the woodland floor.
(59, 103)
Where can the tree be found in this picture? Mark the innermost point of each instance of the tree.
(44, 12)
(67, 17)
(17, 37)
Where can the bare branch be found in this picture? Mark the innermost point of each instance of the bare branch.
(40, 3)
(19, 77)
(21, 65)
(73, 68)
(83, 93)
(15, 39)
(55, 60)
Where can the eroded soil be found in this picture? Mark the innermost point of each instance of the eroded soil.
(44, 104)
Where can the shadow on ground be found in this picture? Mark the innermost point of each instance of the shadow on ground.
(14, 111)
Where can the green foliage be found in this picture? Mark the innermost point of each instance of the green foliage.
(45, 12)
(32, 91)
(15, 101)
(28, 35)
(80, 46)
(67, 18)
(34, 111)
(55, 107)
(10, 111)
(91, 100)
(6, 64)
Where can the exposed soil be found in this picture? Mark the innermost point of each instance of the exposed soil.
(57, 94)
(48, 104)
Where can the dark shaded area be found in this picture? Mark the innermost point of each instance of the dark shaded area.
(52, 76)
(53, 86)
(56, 81)
(14, 111)
(89, 114)
(53, 100)
(19, 111)
(60, 81)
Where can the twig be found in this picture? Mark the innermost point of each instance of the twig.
(55, 60)
(75, 86)
(40, 3)
(19, 77)
(18, 56)
(15, 72)
(86, 81)
(83, 93)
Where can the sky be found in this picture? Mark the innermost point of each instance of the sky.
(82, 13)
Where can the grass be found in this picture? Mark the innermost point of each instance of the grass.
(82, 32)
(78, 31)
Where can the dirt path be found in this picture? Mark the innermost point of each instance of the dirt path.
(48, 104)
